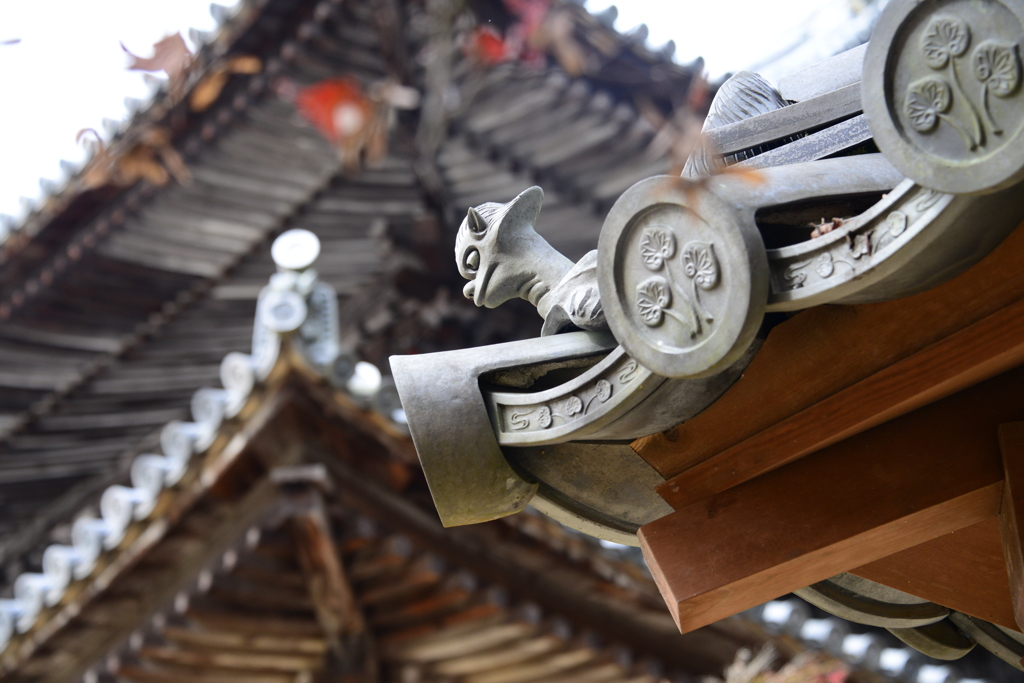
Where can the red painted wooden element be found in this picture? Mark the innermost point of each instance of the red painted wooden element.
(1011, 512)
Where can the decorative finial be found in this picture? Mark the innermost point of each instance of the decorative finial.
(498, 250)
(295, 249)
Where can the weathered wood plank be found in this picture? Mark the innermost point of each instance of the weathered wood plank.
(326, 581)
(508, 654)
(345, 631)
(244, 642)
(536, 671)
(464, 639)
(240, 661)
(253, 625)
(430, 608)
(164, 675)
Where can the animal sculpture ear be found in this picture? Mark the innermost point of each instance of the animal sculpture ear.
(477, 226)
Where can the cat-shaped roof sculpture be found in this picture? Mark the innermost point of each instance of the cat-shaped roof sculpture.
(499, 251)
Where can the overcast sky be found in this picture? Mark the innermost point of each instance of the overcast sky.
(68, 71)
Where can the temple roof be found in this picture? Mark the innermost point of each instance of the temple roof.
(118, 303)
(106, 288)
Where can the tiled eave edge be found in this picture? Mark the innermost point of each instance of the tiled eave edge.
(23, 283)
(113, 207)
(233, 24)
(87, 600)
(198, 455)
(163, 109)
(89, 215)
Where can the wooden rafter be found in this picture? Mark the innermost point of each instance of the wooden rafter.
(572, 592)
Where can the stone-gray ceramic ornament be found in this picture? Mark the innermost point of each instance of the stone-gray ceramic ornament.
(942, 92)
(683, 281)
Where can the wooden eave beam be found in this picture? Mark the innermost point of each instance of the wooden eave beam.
(981, 350)
(333, 599)
(908, 481)
(964, 570)
(1011, 512)
(833, 371)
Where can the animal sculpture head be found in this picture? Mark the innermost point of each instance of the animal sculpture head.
(503, 257)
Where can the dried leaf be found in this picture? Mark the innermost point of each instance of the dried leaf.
(209, 88)
(82, 134)
(750, 175)
(745, 669)
(170, 55)
(153, 159)
(159, 139)
(245, 64)
(97, 173)
(139, 163)
(810, 667)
